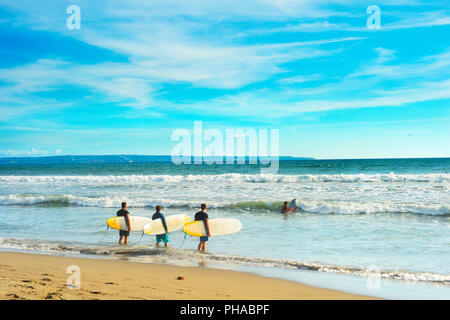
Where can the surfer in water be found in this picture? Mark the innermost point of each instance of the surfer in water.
(203, 216)
(161, 237)
(285, 208)
(124, 213)
(288, 207)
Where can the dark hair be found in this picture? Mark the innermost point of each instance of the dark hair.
(203, 206)
(124, 204)
(158, 208)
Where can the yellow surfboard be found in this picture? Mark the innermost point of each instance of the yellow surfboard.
(137, 223)
(174, 223)
(217, 227)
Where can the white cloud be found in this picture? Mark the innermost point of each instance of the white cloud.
(23, 153)
(393, 98)
(402, 20)
(300, 79)
(384, 55)
(136, 83)
(423, 80)
(416, 19)
(426, 67)
(164, 46)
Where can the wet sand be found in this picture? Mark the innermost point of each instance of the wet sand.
(39, 277)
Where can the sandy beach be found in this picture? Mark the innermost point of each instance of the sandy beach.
(33, 276)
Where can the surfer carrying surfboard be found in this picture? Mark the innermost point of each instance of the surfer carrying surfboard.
(161, 237)
(124, 213)
(203, 216)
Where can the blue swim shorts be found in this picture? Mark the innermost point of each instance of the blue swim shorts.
(203, 238)
(162, 237)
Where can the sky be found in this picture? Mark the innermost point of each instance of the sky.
(135, 71)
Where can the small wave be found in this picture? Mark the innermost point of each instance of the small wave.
(363, 272)
(38, 246)
(343, 207)
(308, 206)
(232, 178)
(348, 207)
(147, 253)
(59, 200)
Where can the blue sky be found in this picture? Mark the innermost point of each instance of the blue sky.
(137, 70)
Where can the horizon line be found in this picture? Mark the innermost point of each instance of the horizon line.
(223, 156)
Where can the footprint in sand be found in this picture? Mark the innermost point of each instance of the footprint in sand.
(53, 295)
(95, 292)
(223, 295)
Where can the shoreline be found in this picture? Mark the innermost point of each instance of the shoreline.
(40, 277)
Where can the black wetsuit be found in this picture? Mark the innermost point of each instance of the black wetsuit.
(202, 216)
(124, 213)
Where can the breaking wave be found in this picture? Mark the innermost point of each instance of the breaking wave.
(312, 206)
(119, 180)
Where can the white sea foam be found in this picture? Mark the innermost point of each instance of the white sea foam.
(231, 178)
(348, 207)
(100, 202)
(38, 246)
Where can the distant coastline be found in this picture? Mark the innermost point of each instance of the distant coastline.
(86, 159)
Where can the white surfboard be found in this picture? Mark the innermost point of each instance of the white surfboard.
(217, 227)
(174, 223)
(119, 223)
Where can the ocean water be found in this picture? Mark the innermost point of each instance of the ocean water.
(386, 217)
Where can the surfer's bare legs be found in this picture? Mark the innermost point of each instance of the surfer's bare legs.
(202, 246)
(120, 240)
(165, 245)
